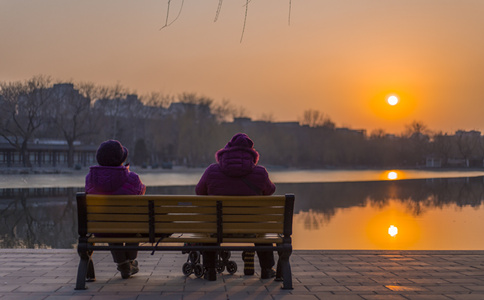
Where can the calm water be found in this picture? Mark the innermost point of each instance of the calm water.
(334, 209)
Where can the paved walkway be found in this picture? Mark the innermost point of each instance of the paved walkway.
(50, 275)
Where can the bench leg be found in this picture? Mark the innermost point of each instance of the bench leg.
(283, 272)
(85, 271)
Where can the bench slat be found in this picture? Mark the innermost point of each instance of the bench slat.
(118, 217)
(129, 200)
(117, 227)
(185, 209)
(118, 209)
(180, 200)
(186, 217)
(251, 210)
(264, 202)
(253, 218)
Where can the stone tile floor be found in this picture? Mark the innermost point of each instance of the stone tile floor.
(51, 274)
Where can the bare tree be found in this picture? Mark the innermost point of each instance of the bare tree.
(377, 134)
(70, 112)
(267, 117)
(442, 146)
(110, 102)
(23, 112)
(417, 136)
(157, 99)
(226, 111)
(315, 118)
(467, 143)
(416, 129)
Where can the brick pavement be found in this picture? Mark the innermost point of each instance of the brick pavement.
(50, 274)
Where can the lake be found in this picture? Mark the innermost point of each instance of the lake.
(334, 209)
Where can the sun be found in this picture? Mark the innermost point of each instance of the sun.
(392, 100)
(392, 230)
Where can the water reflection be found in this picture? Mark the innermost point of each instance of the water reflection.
(392, 175)
(47, 217)
(429, 214)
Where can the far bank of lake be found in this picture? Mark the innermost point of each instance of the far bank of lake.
(190, 176)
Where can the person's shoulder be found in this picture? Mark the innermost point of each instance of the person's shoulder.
(260, 169)
(213, 168)
(133, 175)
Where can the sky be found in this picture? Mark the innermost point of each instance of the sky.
(340, 57)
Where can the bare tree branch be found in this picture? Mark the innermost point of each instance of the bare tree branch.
(168, 14)
(245, 19)
(289, 17)
(219, 8)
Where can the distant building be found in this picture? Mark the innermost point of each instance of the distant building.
(47, 153)
(433, 162)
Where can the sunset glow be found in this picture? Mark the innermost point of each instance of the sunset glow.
(384, 75)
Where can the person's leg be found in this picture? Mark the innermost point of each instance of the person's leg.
(119, 256)
(209, 263)
(125, 261)
(266, 262)
(131, 255)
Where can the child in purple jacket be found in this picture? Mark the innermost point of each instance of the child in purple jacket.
(237, 173)
(110, 177)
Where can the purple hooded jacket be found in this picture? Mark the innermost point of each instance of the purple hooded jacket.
(107, 180)
(236, 171)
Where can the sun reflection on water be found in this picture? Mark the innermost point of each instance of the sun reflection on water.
(385, 237)
(393, 175)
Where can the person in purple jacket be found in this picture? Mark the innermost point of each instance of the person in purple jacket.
(110, 177)
(237, 173)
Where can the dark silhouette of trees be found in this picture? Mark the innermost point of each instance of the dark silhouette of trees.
(467, 144)
(188, 129)
(24, 107)
(71, 115)
(315, 118)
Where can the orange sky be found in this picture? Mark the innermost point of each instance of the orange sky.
(339, 57)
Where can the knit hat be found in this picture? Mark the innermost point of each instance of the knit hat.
(240, 141)
(111, 153)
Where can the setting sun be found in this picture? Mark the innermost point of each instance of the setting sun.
(392, 100)
(392, 230)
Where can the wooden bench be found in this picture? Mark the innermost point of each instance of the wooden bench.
(182, 223)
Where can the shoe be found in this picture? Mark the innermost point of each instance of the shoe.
(210, 275)
(134, 267)
(248, 258)
(125, 269)
(267, 273)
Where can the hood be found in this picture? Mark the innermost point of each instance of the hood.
(238, 157)
(236, 162)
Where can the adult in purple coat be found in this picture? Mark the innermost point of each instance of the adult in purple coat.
(237, 173)
(110, 177)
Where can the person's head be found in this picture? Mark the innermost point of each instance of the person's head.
(240, 141)
(111, 153)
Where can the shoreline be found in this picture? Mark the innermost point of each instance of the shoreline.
(177, 169)
(182, 176)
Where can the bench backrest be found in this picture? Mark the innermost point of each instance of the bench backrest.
(155, 215)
